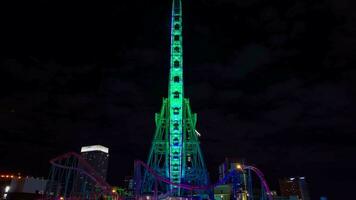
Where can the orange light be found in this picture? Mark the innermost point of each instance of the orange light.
(7, 176)
(19, 177)
(113, 190)
(61, 198)
(2, 176)
(12, 176)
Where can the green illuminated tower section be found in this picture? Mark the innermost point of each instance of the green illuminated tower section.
(175, 152)
(175, 98)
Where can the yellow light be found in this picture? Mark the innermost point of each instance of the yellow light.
(238, 166)
(61, 198)
(113, 190)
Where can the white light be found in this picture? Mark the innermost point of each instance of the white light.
(291, 179)
(197, 133)
(94, 148)
(7, 189)
(302, 177)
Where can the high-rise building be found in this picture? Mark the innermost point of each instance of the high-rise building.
(294, 186)
(98, 157)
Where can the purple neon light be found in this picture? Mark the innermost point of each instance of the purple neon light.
(262, 179)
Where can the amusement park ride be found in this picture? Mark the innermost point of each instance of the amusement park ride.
(175, 168)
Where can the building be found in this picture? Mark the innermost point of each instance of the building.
(27, 188)
(234, 188)
(285, 198)
(5, 182)
(98, 157)
(17, 187)
(223, 192)
(228, 165)
(129, 185)
(294, 186)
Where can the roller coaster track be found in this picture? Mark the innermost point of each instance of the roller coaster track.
(85, 168)
(90, 172)
(207, 187)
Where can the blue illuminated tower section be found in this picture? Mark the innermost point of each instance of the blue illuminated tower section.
(175, 152)
(175, 98)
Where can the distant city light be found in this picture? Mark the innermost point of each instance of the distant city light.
(10, 176)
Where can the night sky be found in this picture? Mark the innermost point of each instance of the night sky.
(273, 82)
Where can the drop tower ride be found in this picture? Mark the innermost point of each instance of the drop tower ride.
(175, 152)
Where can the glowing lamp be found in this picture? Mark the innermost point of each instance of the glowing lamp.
(238, 166)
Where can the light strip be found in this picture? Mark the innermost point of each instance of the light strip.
(94, 148)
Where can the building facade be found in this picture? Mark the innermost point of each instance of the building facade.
(294, 186)
(98, 157)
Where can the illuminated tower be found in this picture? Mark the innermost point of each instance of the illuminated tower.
(175, 152)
